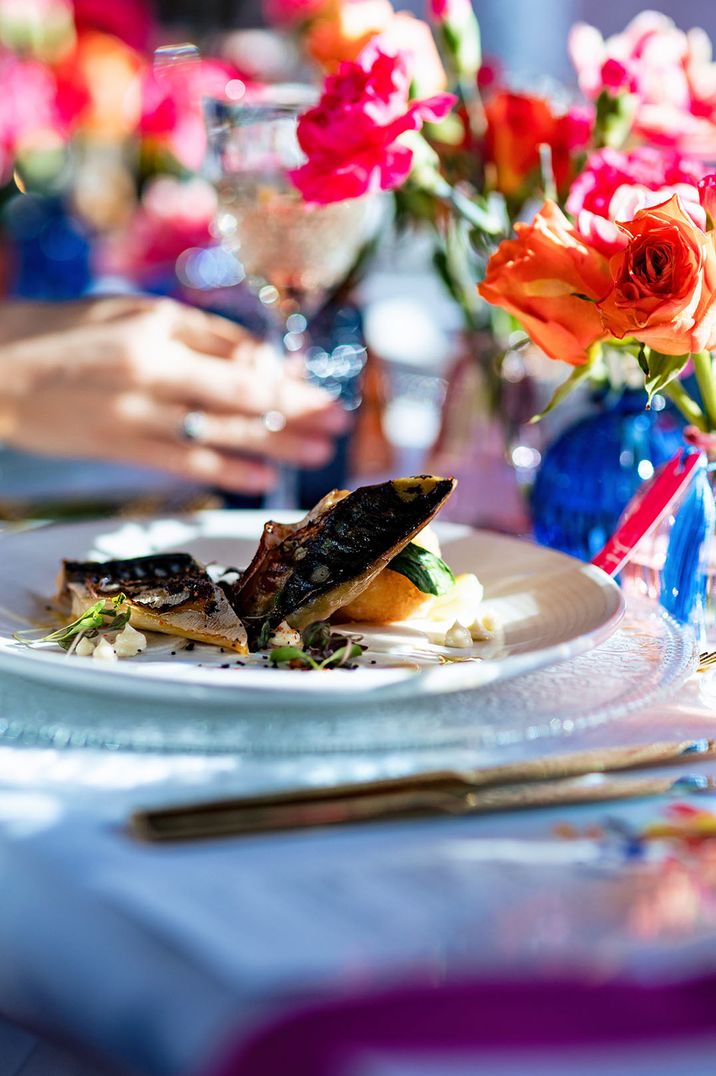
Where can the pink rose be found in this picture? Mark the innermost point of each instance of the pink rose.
(669, 72)
(450, 11)
(28, 107)
(707, 195)
(171, 106)
(614, 186)
(351, 138)
(608, 169)
(414, 39)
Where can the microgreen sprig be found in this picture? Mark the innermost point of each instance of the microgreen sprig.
(106, 615)
(322, 649)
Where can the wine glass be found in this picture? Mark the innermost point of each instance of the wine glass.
(292, 253)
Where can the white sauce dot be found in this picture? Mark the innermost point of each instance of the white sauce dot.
(129, 642)
(104, 651)
(285, 635)
(458, 635)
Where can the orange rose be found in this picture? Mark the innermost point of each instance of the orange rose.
(539, 278)
(344, 28)
(111, 71)
(664, 282)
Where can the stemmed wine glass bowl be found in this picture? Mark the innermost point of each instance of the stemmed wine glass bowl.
(292, 253)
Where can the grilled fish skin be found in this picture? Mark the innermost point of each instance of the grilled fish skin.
(304, 572)
(169, 593)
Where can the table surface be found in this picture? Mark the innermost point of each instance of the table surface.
(193, 942)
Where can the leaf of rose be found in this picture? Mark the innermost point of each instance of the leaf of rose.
(578, 374)
(661, 369)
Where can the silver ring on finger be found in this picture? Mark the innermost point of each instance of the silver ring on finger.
(274, 421)
(193, 426)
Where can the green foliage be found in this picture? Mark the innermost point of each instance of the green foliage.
(660, 370)
(615, 116)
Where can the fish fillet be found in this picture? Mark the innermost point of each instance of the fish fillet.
(167, 592)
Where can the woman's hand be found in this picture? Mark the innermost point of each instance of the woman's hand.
(153, 382)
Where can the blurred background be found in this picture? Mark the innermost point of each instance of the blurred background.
(103, 189)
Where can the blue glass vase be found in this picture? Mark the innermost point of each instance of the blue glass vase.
(51, 250)
(594, 468)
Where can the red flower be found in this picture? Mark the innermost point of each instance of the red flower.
(130, 20)
(288, 12)
(352, 136)
(517, 124)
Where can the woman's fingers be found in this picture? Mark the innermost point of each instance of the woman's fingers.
(208, 334)
(200, 463)
(199, 381)
(261, 438)
(148, 417)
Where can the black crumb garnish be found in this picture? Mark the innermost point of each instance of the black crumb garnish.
(224, 666)
(239, 663)
(373, 661)
(173, 653)
(190, 646)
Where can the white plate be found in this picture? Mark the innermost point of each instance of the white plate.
(549, 608)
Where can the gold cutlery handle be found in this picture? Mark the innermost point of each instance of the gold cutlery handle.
(237, 819)
(574, 764)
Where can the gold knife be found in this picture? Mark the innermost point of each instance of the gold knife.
(562, 779)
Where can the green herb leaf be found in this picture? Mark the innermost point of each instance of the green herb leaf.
(329, 649)
(284, 655)
(425, 571)
(342, 656)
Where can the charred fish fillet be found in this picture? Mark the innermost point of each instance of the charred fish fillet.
(304, 572)
(166, 592)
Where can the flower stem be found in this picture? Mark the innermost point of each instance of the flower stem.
(464, 207)
(703, 368)
(688, 407)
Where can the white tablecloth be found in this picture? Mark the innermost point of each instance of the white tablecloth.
(151, 956)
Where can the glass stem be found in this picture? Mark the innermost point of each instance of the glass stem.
(285, 494)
